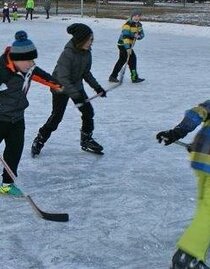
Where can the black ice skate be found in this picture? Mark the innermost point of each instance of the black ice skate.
(89, 144)
(182, 260)
(37, 145)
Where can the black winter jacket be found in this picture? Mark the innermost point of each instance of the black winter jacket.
(13, 99)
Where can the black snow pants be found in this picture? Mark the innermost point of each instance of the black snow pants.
(122, 60)
(13, 136)
(59, 103)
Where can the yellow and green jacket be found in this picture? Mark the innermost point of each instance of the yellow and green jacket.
(200, 149)
(130, 32)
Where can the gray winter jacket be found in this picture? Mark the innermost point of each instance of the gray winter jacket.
(72, 67)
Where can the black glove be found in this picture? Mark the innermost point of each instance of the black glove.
(102, 91)
(189, 147)
(168, 137)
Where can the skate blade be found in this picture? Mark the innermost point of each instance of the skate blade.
(92, 151)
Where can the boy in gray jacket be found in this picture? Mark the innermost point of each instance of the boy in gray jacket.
(73, 66)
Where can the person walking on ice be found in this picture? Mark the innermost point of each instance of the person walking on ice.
(73, 66)
(194, 243)
(17, 69)
(6, 13)
(132, 30)
(47, 6)
(29, 9)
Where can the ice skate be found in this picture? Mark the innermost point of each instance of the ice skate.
(182, 260)
(37, 145)
(89, 144)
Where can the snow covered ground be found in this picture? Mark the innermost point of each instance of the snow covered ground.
(128, 207)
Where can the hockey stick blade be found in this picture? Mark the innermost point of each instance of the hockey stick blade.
(59, 217)
(47, 216)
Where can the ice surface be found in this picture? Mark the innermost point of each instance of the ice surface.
(128, 207)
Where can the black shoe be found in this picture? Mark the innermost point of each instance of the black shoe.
(137, 80)
(113, 79)
(37, 145)
(89, 144)
(182, 260)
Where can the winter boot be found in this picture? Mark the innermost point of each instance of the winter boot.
(182, 260)
(135, 78)
(113, 79)
(37, 145)
(89, 144)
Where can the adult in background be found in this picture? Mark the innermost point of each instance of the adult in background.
(73, 66)
(132, 30)
(47, 6)
(29, 9)
(6, 13)
(17, 69)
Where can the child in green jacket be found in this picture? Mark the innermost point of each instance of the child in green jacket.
(194, 243)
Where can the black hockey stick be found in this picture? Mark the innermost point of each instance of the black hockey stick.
(60, 217)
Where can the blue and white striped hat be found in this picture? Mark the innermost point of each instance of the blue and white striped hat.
(23, 49)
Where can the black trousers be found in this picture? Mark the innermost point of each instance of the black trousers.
(29, 11)
(47, 13)
(59, 103)
(122, 60)
(13, 136)
(6, 17)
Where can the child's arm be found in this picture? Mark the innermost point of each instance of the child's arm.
(193, 118)
(45, 78)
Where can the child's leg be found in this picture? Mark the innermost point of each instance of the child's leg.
(14, 142)
(196, 239)
(14, 15)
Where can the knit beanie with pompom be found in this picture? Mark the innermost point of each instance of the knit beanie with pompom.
(23, 49)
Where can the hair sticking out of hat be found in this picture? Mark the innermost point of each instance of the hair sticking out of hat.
(80, 32)
(23, 49)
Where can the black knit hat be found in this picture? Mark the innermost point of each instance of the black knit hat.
(81, 32)
(23, 49)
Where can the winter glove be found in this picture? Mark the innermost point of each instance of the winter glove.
(189, 147)
(101, 91)
(168, 137)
